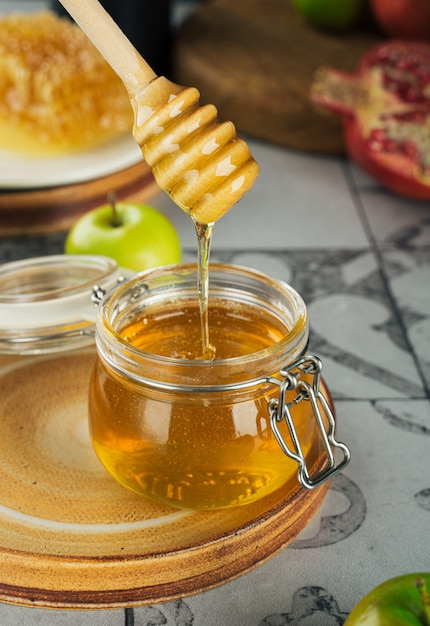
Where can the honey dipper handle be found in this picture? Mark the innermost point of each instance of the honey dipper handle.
(111, 42)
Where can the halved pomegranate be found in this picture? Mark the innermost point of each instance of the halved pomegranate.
(386, 109)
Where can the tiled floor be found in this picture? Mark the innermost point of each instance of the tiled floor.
(360, 257)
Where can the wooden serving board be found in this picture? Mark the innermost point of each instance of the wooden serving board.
(55, 209)
(71, 537)
(255, 61)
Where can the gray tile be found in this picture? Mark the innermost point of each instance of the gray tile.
(396, 219)
(362, 179)
(169, 613)
(363, 345)
(11, 615)
(408, 272)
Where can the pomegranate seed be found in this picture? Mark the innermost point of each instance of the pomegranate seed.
(375, 146)
(410, 150)
(391, 146)
(424, 74)
(382, 54)
(413, 96)
(378, 134)
(407, 65)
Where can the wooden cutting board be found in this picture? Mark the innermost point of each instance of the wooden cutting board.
(255, 60)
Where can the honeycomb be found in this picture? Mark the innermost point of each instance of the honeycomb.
(57, 93)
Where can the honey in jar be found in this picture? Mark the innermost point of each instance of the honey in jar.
(189, 431)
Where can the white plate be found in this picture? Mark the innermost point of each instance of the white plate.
(17, 172)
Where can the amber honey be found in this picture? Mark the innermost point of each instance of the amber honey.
(195, 433)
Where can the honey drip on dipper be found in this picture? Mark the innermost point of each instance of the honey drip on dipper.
(197, 159)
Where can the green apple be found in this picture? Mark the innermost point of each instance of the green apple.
(136, 235)
(400, 601)
(336, 15)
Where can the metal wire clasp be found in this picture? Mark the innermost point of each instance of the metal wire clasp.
(98, 293)
(280, 410)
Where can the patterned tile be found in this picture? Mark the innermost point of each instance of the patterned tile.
(364, 346)
(392, 219)
(11, 615)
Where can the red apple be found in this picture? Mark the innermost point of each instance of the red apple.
(403, 18)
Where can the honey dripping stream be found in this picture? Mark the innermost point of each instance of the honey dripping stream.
(204, 239)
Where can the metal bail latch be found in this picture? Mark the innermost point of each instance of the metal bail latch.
(98, 293)
(280, 410)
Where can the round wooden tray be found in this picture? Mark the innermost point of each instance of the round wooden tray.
(71, 537)
(55, 209)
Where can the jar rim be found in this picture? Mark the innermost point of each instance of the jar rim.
(51, 277)
(132, 360)
(45, 302)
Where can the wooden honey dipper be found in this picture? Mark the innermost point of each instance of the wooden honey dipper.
(199, 161)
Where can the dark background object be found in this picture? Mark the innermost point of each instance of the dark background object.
(146, 23)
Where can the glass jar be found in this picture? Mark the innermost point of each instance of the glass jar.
(204, 434)
(47, 303)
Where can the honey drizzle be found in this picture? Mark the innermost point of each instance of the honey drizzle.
(204, 239)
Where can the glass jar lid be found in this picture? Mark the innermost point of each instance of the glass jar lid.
(46, 303)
